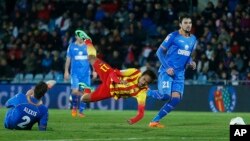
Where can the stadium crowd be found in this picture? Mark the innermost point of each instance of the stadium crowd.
(34, 35)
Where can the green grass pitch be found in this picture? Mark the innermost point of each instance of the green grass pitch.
(112, 126)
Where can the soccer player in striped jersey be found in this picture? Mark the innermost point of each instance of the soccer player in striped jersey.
(174, 54)
(25, 110)
(118, 83)
(80, 71)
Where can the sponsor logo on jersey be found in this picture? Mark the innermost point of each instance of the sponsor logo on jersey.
(81, 57)
(184, 52)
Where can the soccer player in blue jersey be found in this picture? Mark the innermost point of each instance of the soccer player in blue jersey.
(27, 109)
(80, 71)
(175, 55)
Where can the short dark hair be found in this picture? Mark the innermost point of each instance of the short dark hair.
(40, 90)
(150, 73)
(184, 16)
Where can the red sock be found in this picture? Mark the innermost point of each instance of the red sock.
(87, 91)
(88, 42)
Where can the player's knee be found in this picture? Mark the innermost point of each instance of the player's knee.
(92, 59)
(176, 95)
(74, 92)
(85, 98)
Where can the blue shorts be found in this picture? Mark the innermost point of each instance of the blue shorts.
(75, 80)
(168, 84)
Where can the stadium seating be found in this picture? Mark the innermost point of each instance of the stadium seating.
(38, 77)
(18, 78)
(28, 78)
(48, 76)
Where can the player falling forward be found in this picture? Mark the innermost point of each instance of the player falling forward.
(118, 83)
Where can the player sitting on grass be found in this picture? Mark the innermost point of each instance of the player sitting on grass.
(118, 83)
(27, 109)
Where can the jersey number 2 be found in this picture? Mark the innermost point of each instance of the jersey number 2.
(25, 122)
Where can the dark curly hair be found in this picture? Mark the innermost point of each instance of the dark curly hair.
(151, 74)
(184, 16)
(40, 90)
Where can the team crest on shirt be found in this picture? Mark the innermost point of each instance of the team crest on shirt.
(186, 47)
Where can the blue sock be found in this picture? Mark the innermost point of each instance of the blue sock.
(167, 108)
(74, 101)
(155, 94)
(82, 107)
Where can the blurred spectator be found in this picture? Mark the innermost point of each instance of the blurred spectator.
(63, 23)
(115, 61)
(239, 62)
(248, 78)
(100, 14)
(145, 54)
(46, 63)
(30, 63)
(6, 71)
(29, 29)
(224, 36)
(209, 9)
(57, 64)
(209, 51)
(202, 68)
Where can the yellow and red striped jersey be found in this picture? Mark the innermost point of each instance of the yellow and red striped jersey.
(130, 89)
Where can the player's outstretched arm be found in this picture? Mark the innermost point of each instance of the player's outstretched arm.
(30, 92)
(139, 116)
(141, 98)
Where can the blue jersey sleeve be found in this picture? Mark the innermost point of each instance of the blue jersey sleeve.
(68, 54)
(162, 50)
(12, 102)
(42, 124)
(161, 56)
(169, 40)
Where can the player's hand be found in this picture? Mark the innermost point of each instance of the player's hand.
(192, 65)
(30, 92)
(50, 83)
(170, 71)
(130, 122)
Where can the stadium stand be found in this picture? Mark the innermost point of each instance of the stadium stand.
(30, 30)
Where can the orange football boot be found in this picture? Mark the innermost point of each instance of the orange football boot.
(155, 125)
